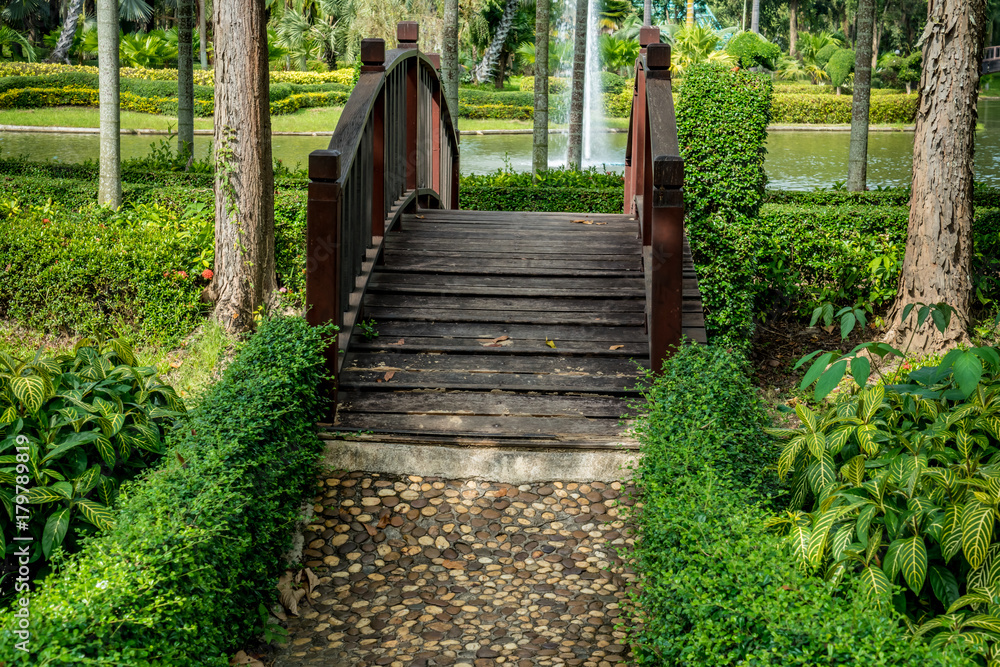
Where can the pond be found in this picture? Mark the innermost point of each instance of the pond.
(800, 160)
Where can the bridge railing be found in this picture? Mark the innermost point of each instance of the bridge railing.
(654, 179)
(395, 147)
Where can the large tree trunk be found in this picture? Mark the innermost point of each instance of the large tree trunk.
(185, 77)
(857, 160)
(938, 262)
(449, 58)
(60, 53)
(574, 152)
(202, 35)
(647, 12)
(540, 135)
(755, 17)
(493, 52)
(109, 187)
(793, 28)
(244, 277)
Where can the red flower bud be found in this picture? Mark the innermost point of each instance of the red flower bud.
(207, 274)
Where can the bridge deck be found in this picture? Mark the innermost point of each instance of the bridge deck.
(503, 329)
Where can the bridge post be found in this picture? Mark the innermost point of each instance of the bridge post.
(373, 60)
(436, 130)
(323, 238)
(408, 32)
(666, 230)
(641, 159)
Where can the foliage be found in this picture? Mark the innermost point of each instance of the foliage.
(810, 45)
(751, 50)
(618, 55)
(821, 108)
(900, 70)
(560, 177)
(197, 543)
(557, 85)
(72, 429)
(147, 50)
(722, 119)
(840, 66)
(696, 44)
(823, 56)
(545, 198)
(713, 586)
(343, 76)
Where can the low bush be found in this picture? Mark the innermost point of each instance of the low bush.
(714, 587)
(751, 50)
(591, 177)
(528, 198)
(197, 543)
(344, 76)
(821, 108)
(557, 85)
(840, 66)
(495, 112)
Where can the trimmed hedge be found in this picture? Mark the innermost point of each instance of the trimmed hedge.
(344, 76)
(751, 50)
(819, 108)
(198, 541)
(713, 586)
(529, 198)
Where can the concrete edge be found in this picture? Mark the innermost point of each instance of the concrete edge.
(493, 464)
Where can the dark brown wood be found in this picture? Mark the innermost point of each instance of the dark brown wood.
(407, 34)
(484, 404)
(378, 166)
(323, 245)
(412, 120)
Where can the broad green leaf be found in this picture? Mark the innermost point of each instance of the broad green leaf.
(815, 370)
(8, 416)
(965, 444)
(865, 517)
(973, 600)
(55, 530)
(52, 493)
(866, 438)
(854, 470)
(69, 442)
(890, 563)
(835, 441)
(106, 450)
(788, 455)
(847, 323)
(912, 562)
(968, 370)
(817, 444)
(822, 474)
(984, 621)
(841, 538)
(95, 513)
(988, 575)
(944, 584)
(107, 491)
(871, 401)
(30, 390)
(951, 541)
(800, 536)
(977, 531)
(829, 380)
(861, 368)
(807, 417)
(820, 533)
(85, 482)
(123, 351)
(875, 580)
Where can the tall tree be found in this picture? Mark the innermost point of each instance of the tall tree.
(755, 17)
(574, 152)
(647, 12)
(540, 139)
(857, 160)
(202, 35)
(185, 78)
(793, 28)
(449, 57)
(490, 59)
(937, 265)
(244, 277)
(689, 20)
(60, 53)
(109, 187)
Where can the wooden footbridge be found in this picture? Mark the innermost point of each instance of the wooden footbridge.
(496, 328)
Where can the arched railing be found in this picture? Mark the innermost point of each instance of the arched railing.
(395, 147)
(654, 177)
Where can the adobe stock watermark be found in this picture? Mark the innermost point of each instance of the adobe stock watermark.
(23, 539)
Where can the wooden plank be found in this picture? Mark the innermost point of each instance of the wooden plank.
(374, 381)
(537, 346)
(393, 331)
(508, 440)
(584, 285)
(447, 248)
(485, 364)
(624, 305)
(545, 427)
(382, 313)
(483, 403)
(400, 261)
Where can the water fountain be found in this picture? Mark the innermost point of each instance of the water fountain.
(593, 98)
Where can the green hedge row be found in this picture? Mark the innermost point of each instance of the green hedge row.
(813, 108)
(198, 541)
(714, 587)
(528, 198)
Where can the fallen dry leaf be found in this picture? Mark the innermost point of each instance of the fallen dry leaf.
(312, 581)
(585, 222)
(371, 531)
(550, 343)
(289, 594)
(398, 342)
(176, 364)
(384, 520)
(419, 216)
(830, 328)
(500, 341)
(600, 223)
(389, 375)
(616, 347)
(242, 658)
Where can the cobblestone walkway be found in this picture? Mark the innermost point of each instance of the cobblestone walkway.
(427, 571)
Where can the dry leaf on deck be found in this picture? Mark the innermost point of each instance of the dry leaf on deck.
(398, 342)
(616, 347)
(384, 520)
(600, 223)
(419, 216)
(389, 375)
(550, 343)
(585, 222)
(494, 342)
(241, 658)
(312, 581)
(371, 531)
(288, 594)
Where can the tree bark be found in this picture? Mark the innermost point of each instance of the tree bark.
(202, 35)
(755, 17)
(449, 58)
(185, 78)
(244, 277)
(574, 152)
(647, 12)
(689, 19)
(540, 135)
(857, 160)
(60, 53)
(109, 187)
(938, 262)
(793, 28)
(495, 50)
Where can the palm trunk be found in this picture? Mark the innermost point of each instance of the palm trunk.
(857, 161)
(755, 17)
(647, 12)
(202, 35)
(449, 58)
(574, 152)
(244, 277)
(495, 50)
(937, 266)
(793, 28)
(109, 188)
(540, 136)
(185, 78)
(60, 53)
(689, 21)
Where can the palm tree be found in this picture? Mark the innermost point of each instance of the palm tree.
(755, 17)
(109, 189)
(12, 38)
(647, 12)
(540, 135)
(690, 13)
(574, 153)
(311, 28)
(185, 78)
(449, 58)
(202, 34)
(60, 53)
(490, 59)
(857, 161)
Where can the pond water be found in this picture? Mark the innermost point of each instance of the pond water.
(795, 160)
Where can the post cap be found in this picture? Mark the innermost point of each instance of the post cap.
(435, 59)
(658, 57)
(649, 35)
(373, 52)
(407, 32)
(324, 165)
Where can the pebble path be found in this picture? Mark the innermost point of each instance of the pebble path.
(421, 571)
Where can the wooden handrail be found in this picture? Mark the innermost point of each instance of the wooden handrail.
(395, 147)
(654, 180)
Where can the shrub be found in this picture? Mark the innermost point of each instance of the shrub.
(613, 83)
(557, 85)
(722, 119)
(837, 108)
(713, 587)
(823, 55)
(618, 105)
(76, 427)
(496, 111)
(840, 66)
(524, 198)
(751, 50)
(196, 546)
